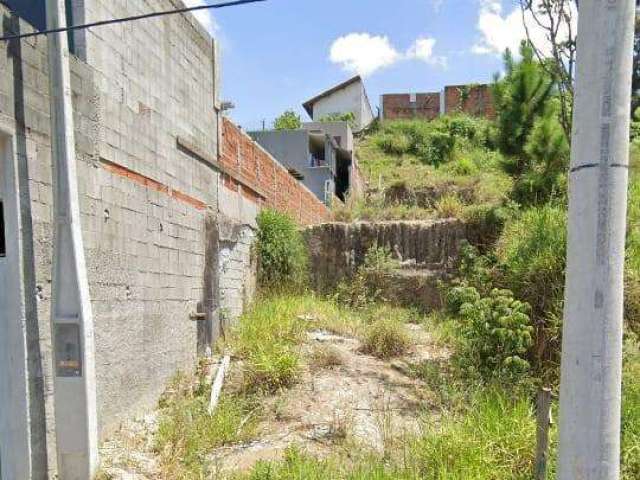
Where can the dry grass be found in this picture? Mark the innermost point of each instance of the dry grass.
(326, 356)
(386, 339)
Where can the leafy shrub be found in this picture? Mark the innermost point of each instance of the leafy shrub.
(463, 166)
(385, 339)
(458, 296)
(497, 332)
(348, 117)
(282, 253)
(370, 281)
(434, 148)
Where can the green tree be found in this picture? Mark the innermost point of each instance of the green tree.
(547, 157)
(289, 120)
(521, 97)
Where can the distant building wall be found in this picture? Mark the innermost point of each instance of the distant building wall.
(253, 172)
(405, 106)
(291, 148)
(352, 98)
(476, 100)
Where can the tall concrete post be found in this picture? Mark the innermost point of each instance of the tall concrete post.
(71, 316)
(590, 387)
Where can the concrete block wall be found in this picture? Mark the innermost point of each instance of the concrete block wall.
(260, 177)
(143, 200)
(237, 267)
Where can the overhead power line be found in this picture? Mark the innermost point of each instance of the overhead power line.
(129, 19)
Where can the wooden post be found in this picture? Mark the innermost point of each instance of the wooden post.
(544, 423)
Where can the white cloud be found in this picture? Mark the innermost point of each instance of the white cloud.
(422, 49)
(500, 31)
(365, 54)
(437, 4)
(204, 16)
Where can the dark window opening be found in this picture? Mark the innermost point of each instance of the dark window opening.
(70, 35)
(317, 149)
(342, 179)
(3, 243)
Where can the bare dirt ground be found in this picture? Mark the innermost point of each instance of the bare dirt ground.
(344, 397)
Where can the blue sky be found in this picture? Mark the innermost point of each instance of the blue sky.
(279, 53)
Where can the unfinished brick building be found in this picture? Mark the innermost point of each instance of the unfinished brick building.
(471, 99)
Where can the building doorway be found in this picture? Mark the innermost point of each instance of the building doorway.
(15, 451)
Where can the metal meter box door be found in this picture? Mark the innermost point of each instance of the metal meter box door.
(68, 350)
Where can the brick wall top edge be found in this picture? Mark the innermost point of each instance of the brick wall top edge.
(228, 123)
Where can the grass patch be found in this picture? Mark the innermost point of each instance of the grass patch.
(326, 356)
(386, 338)
(187, 433)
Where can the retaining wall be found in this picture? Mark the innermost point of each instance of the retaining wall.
(337, 249)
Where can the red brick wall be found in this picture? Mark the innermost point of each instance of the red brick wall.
(400, 107)
(261, 178)
(479, 101)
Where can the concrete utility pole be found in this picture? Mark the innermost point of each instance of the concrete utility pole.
(71, 316)
(590, 388)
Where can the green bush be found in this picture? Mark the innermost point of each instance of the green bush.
(282, 253)
(370, 281)
(458, 296)
(531, 252)
(497, 333)
(399, 144)
(434, 148)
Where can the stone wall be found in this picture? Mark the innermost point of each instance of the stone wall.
(337, 249)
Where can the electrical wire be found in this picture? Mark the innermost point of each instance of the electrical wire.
(101, 23)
